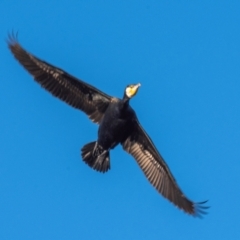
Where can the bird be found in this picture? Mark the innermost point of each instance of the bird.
(118, 124)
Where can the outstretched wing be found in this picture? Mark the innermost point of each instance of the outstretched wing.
(141, 147)
(73, 91)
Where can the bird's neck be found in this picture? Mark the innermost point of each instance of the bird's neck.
(126, 100)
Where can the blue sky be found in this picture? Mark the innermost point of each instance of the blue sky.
(185, 54)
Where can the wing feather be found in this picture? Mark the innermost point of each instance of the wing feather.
(141, 147)
(71, 90)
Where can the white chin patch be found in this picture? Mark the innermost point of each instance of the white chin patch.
(129, 92)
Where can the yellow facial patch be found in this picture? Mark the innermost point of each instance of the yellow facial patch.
(131, 90)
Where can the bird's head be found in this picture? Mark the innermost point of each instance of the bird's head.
(131, 90)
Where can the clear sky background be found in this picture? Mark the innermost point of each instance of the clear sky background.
(186, 55)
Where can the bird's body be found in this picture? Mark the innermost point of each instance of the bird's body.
(112, 128)
(118, 124)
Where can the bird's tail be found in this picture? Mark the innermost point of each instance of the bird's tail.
(96, 157)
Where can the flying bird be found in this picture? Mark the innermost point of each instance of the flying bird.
(118, 124)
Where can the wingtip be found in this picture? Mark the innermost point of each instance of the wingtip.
(12, 38)
(200, 210)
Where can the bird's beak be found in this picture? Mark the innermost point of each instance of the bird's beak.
(135, 88)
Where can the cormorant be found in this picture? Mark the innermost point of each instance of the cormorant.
(118, 124)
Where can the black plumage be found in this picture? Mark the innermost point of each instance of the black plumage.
(118, 124)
